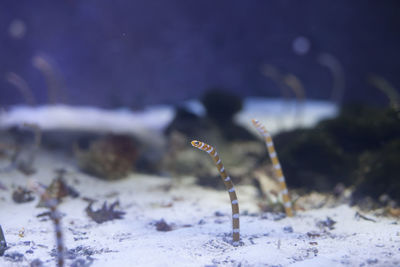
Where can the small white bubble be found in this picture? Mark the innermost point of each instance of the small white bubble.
(301, 45)
(17, 29)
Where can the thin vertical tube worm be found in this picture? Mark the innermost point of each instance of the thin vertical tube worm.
(294, 83)
(273, 73)
(339, 81)
(55, 215)
(53, 79)
(229, 186)
(277, 167)
(22, 86)
(388, 89)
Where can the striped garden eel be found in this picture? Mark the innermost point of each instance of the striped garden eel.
(277, 167)
(229, 186)
(55, 216)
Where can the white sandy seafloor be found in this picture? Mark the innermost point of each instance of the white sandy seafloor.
(200, 236)
(200, 217)
(276, 114)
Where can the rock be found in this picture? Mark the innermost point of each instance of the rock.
(358, 148)
(378, 172)
(185, 122)
(221, 105)
(111, 157)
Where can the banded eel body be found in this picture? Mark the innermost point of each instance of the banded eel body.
(55, 216)
(277, 167)
(229, 186)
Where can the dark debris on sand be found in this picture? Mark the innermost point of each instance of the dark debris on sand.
(22, 195)
(14, 257)
(106, 213)
(327, 223)
(162, 226)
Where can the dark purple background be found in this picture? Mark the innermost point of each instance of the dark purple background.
(114, 53)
